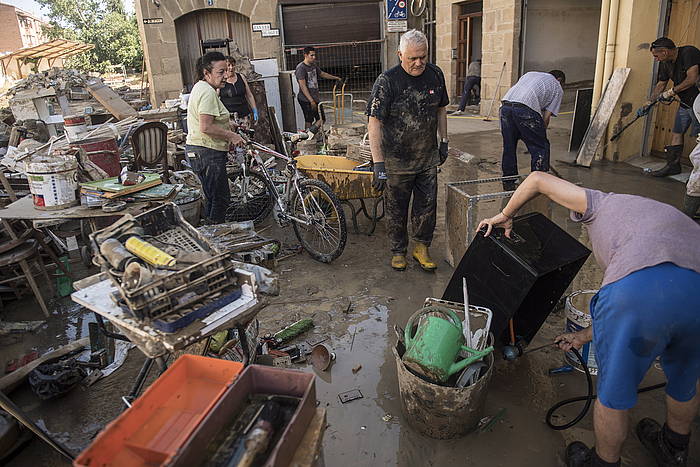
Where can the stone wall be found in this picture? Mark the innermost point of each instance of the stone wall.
(500, 39)
(501, 26)
(160, 42)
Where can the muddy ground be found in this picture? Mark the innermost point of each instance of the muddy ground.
(372, 431)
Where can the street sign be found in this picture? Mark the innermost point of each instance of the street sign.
(396, 9)
(396, 25)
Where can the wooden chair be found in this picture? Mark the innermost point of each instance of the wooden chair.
(25, 253)
(150, 144)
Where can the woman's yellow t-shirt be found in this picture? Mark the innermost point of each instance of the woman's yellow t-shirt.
(205, 100)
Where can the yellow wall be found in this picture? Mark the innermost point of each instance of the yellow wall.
(636, 29)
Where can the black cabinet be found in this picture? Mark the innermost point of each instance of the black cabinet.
(521, 277)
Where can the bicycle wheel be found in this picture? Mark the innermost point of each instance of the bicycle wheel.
(251, 197)
(325, 234)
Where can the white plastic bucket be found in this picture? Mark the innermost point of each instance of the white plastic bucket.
(578, 316)
(74, 126)
(53, 182)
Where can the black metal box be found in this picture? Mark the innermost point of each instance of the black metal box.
(521, 277)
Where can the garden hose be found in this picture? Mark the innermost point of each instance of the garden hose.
(588, 398)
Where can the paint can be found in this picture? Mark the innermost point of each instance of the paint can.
(53, 181)
(578, 316)
(103, 152)
(74, 126)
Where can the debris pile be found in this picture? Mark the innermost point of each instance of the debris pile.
(58, 78)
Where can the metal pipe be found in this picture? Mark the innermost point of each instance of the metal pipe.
(611, 44)
(600, 56)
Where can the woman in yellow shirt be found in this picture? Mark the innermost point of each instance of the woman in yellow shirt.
(209, 135)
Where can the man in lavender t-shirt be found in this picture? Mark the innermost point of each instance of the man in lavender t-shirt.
(647, 307)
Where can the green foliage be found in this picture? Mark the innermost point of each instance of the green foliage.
(103, 23)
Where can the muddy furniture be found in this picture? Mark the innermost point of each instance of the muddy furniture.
(520, 278)
(470, 201)
(25, 254)
(150, 144)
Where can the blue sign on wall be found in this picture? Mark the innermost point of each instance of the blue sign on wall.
(396, 9)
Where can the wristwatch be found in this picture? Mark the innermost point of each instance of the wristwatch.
(444, 140)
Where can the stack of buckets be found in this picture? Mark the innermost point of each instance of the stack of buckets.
(53, 179)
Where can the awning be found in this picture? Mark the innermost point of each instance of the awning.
(51, 51)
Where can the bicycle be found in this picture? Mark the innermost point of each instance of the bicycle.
(309, 205)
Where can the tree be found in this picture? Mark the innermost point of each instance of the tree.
(103, 23)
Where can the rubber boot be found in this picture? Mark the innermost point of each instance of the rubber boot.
(578, 455)
(420, 254)
(691, 204)
(650, 433)
(673, 161)
(398, 262)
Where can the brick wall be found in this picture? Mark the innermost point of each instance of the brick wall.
(10, 39)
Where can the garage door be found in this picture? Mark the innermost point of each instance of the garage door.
(347, 36)
(202, 25)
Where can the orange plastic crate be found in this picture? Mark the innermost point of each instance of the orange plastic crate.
(163, 418)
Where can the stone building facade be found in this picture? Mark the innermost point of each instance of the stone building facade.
(159, 20)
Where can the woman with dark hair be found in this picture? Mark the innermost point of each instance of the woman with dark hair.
(209, 135)
(236, 94)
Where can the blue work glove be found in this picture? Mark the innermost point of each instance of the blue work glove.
(443, 152)
(380, 178)
(255, 115)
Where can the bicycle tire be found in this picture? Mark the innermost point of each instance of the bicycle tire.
(257, 205)
(328, 201)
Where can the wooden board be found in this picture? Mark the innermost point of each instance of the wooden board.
(24, 209)
(599, 124)
(11, 381)
(582, 117)
(111, 100)
(112, 185)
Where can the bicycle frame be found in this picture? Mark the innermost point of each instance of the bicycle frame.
(292, 181)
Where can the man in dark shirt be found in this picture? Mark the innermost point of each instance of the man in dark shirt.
(680, 65)
(307, 74)
(406, 113)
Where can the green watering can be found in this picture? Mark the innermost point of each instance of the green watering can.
(436, 345)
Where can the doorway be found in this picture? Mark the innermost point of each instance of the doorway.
(469, 39)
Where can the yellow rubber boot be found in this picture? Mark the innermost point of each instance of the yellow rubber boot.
(420, 254)
(398, 262)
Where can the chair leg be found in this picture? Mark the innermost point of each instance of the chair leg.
(45, 274)
(35, 288)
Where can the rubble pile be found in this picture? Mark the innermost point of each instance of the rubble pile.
(58, 78)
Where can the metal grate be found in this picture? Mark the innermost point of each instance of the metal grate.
(360, 62)
(179, 237)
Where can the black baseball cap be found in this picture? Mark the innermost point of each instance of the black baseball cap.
(662, 43)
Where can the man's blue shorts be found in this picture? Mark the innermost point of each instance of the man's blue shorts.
(649, 313)
(685, 118)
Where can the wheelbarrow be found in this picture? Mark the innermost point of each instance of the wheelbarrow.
(348, 184)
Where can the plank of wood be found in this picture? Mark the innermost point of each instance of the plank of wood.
(111, 100)
(9, 382)
(309, 450)
(596, 130)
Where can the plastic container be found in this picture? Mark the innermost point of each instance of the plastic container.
(161, 421)
(256, 379)
(53, 182)
(74, 125)
(338, 173)
(578, 316)
(522, 277)
(103, 152)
